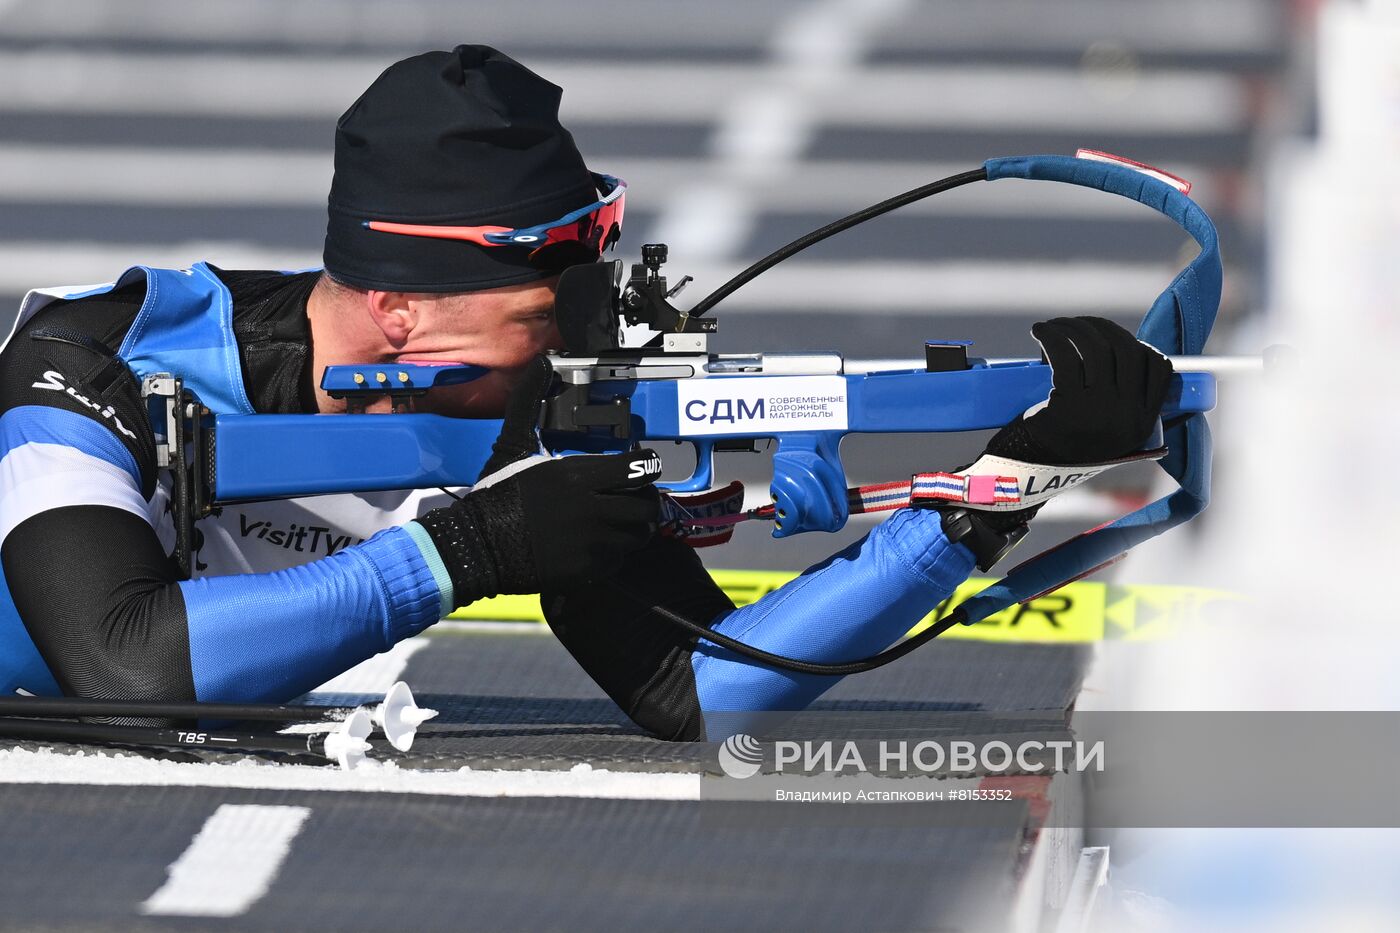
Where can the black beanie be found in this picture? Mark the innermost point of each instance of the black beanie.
(467, 137)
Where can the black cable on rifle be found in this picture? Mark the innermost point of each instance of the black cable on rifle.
(793, 664)
(831, 229)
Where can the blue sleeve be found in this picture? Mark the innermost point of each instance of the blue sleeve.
(850, 606)
(273, 636)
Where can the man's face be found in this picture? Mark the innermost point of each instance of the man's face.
(501, 329)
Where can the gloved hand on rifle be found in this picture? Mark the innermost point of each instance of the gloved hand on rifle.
(535, 522)
(1107, 395)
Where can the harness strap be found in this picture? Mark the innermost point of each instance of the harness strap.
(708, 518)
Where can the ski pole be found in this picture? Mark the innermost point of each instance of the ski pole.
(397, 714)
(345, 745)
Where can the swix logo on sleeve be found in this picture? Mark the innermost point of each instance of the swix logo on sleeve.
(54, 381)
(639, 468)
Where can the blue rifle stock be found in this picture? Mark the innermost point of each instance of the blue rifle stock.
(279, 456)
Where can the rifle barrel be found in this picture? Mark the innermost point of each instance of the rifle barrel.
(1215, 365)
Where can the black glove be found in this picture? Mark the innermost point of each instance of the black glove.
(550, 524)
(1108, 389)
(1107, 396)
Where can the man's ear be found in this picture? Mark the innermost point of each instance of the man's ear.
(394, 313)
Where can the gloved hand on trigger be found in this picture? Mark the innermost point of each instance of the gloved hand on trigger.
(535, 522)
(1108, 393)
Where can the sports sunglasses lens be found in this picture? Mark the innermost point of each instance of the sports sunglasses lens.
(598, 230)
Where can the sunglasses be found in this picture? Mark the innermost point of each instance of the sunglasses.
(594, 228)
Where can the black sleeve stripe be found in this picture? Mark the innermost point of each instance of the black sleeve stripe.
(99, 597)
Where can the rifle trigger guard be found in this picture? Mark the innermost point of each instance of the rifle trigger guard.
(704, 476)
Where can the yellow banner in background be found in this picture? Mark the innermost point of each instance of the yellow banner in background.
(1080, 612)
